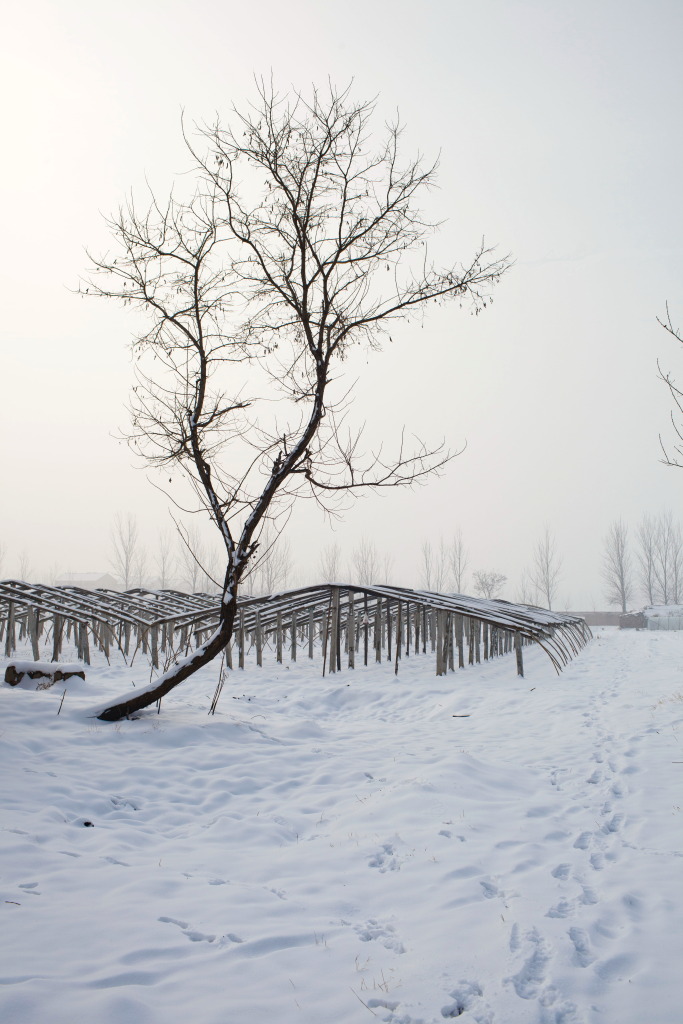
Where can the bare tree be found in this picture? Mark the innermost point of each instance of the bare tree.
(427, 567)
(435, 564)
(545, 571)
(273, 565)
(302, 238)
(365, 563)
(25, 566)
(526, 592)
(124, 548)
(646, 537)
(191, 557)
(330, 564)
(387, 567)
(165, 561)
(211, 571)
(617, 565)
(673, 456)
(488, 583)
(668, 556)
(458, 560)
(141, 568)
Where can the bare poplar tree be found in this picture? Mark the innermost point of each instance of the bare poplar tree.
(546, 568)
(488, 583)
(646, 537)
(458, 561)
(124, 548)
(365, 563)
(387, 567)
(303, 237)
(330, 564)
(25, 566)
(526, 592)
(427, 567)
(668, 555)
(617, 565)
(165, 561)
(191, 557)
(272, 566)
(141, 568)
(435, 566)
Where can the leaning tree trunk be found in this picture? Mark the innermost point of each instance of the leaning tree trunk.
(204, 654)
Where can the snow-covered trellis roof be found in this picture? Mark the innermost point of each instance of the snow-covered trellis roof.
(175, 620)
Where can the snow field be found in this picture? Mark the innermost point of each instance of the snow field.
(345, 848)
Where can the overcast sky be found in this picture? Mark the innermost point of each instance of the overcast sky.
(558, 129)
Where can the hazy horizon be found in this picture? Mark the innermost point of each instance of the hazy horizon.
(555, 129)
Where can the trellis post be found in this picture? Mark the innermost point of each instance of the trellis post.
(351, 631)
(518, 654)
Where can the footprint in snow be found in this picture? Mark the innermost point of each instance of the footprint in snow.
(562, 909)
(561, 872)
(385, 859)
(468, 997)
(531, 978)
(374, 930)
(192, 935)
(582, 947)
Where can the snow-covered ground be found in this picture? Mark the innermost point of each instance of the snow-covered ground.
(335, 849)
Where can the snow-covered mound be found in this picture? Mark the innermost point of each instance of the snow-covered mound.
(409, 848)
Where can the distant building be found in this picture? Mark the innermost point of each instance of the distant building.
(632, 620)
(88, 580)
(663, 616)
(600, 618)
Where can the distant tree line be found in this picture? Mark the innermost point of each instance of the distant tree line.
(646, 564)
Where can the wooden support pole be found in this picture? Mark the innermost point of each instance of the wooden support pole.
(351, 631)
(409, 629)
(378, 630)
(339, 631)
(398, 636)
(389, 631)
(477, 640)
(460, 640)
(311, 631)
(154, 638)
(57, 629)
(518, 654)
(451, 641)
(258, 635)
(293, 636)
(334, 627)
(278, 638)
(366, 627)
(85, 645)
(439, 642)
(32, 627)
(240, 642)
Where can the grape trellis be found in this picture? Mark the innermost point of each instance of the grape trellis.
(343, 624)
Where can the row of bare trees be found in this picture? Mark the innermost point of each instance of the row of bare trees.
(183, 560)
(647, 563)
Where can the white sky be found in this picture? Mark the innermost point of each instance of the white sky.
(558, 126)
